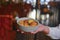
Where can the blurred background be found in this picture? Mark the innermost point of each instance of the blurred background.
(45, 11)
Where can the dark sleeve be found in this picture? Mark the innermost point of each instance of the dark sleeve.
(14, 25)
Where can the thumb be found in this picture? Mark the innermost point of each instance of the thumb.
(35, 32)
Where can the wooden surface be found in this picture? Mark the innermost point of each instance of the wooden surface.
(27, 36)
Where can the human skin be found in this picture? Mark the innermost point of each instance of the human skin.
(42, 28)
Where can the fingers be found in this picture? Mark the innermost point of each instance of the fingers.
(18, 30)
(41, 28)
(22, 32)
(35, 31)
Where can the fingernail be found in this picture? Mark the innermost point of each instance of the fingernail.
(22, 32)
(17, 30)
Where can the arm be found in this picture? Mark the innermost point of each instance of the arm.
(54, 32)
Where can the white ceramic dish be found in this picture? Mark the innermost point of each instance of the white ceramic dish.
(27, 29)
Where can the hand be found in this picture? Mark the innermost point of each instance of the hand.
(41, 28)
(20, 31)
